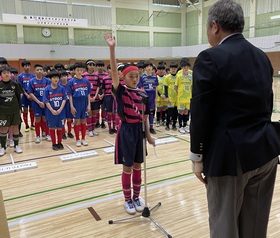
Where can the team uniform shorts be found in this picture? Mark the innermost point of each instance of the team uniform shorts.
(67, 109)
(25, 102)
(7, 120)
(55, 122)
(38, 111)
(183, 105)
(129, 144)
(108, 103)
(171, 104)
(80, 104)
(95, 106)
(161, 103)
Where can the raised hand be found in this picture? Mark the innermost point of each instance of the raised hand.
(111, 41)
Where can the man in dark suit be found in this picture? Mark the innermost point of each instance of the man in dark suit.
(234, 146)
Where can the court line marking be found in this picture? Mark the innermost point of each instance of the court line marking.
(87, 204)
(86, 182)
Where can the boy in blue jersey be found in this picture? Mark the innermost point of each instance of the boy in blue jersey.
(55, 99)
(79, 98)
(24, 79)
(36, 89)
(149, 82)
(68, 114)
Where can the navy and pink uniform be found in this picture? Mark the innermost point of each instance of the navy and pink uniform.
(80, 89)
(129, 140)
(55, 97)
(108, 100)
(94, 84)
(37, 87)
(24, 80)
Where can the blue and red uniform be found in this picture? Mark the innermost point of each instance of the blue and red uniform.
(80, 89)
(55, 97)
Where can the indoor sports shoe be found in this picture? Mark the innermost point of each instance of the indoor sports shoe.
(187, 130)
(60, 146)
(48, 138)
(137, 204)
(27, 129)
(182, 130)
(12, 143)
(32, 127)
(18, 150)
(64, 137)
(95, 133)
(152, 131)
(129, 207)
(157, 125)
(103, 126)
(167, 128)
(70, 135)
(84, 142)
(37, 140)
(55, 147)
(78, 143)
(2, 151)
(90, 134)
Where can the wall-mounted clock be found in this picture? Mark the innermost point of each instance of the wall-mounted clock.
(46, 32)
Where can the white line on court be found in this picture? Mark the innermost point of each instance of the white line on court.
(71, 208)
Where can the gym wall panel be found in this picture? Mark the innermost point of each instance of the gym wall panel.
(167, 19)
(44, 9)
(8, 34)
(97, 16)
(7, 7)
(133, 38)
(132, 17)
(89, 37)
(162, 39)
(192, 28)
(266, 26)
(204, 22)
(33, 35)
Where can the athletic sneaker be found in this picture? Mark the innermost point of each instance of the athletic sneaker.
(12, 143)
(55, 147)
(84, 142)
(2, 151)
(95, 133)
(97, 125)
(18, 149)
(137, 204)
(32, 127)
(48, 138)
(90, 134)
(157, 125)
(182, 130)
(103, 126)
(129, 207)
(111, 131)
(78, 143)
(27, 129)
(167, 127)
(38, 139)
(187, 130)
(60, 146)
(152, 131)
(64, 137)
(174, 128)
(70, 135)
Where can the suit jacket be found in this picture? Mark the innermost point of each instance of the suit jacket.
(231, 108)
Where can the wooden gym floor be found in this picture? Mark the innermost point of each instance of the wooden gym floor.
(77, 198)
